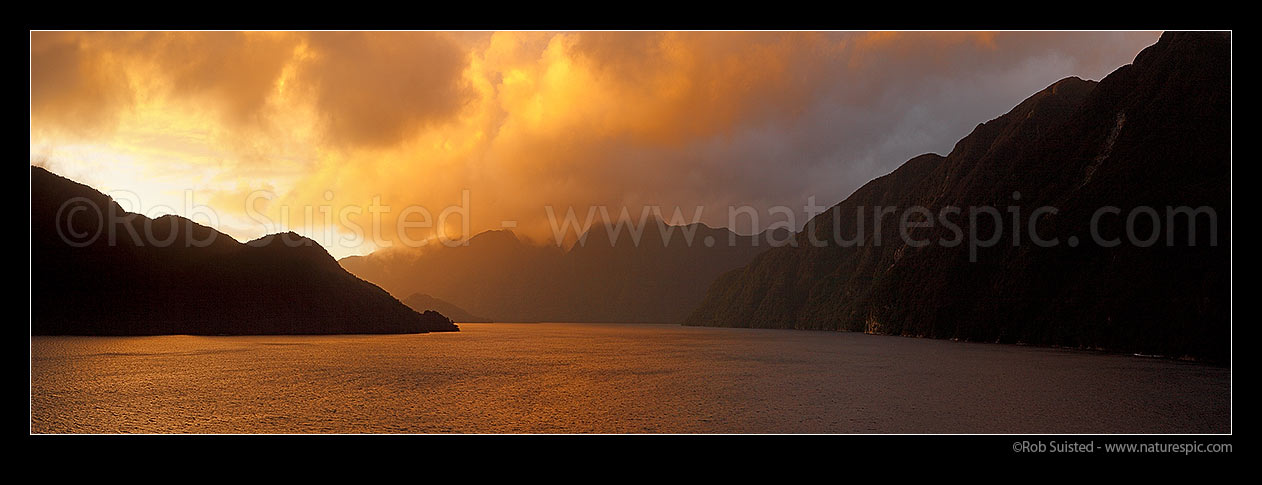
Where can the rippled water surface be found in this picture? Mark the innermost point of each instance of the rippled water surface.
(505, 378)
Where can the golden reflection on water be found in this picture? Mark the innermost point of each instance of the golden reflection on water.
(605, 378)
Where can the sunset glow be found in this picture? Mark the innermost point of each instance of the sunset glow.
(518, 119)
(1017, 239)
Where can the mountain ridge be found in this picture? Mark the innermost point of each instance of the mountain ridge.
(1153, 133)
(500, 276)
(133, 275)
(422, 302)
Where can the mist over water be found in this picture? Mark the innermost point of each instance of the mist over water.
(609, 378)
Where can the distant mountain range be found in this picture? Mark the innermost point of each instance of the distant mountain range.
(127, 274)
(422, 302)
(602, 280)
(1155, 133)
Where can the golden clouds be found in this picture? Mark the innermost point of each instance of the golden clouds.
(369, 88)
(523, 119)
(72, 87)
(660, 87)
(237, 70)
(708, 82)
(378, 89)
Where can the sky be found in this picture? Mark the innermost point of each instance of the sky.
(369, 141)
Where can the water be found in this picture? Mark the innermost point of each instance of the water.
(596, 378)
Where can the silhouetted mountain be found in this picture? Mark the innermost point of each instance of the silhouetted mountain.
(1155, 133)
(422, 302)
(97, 270)
(494, 275)
(500, 276)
